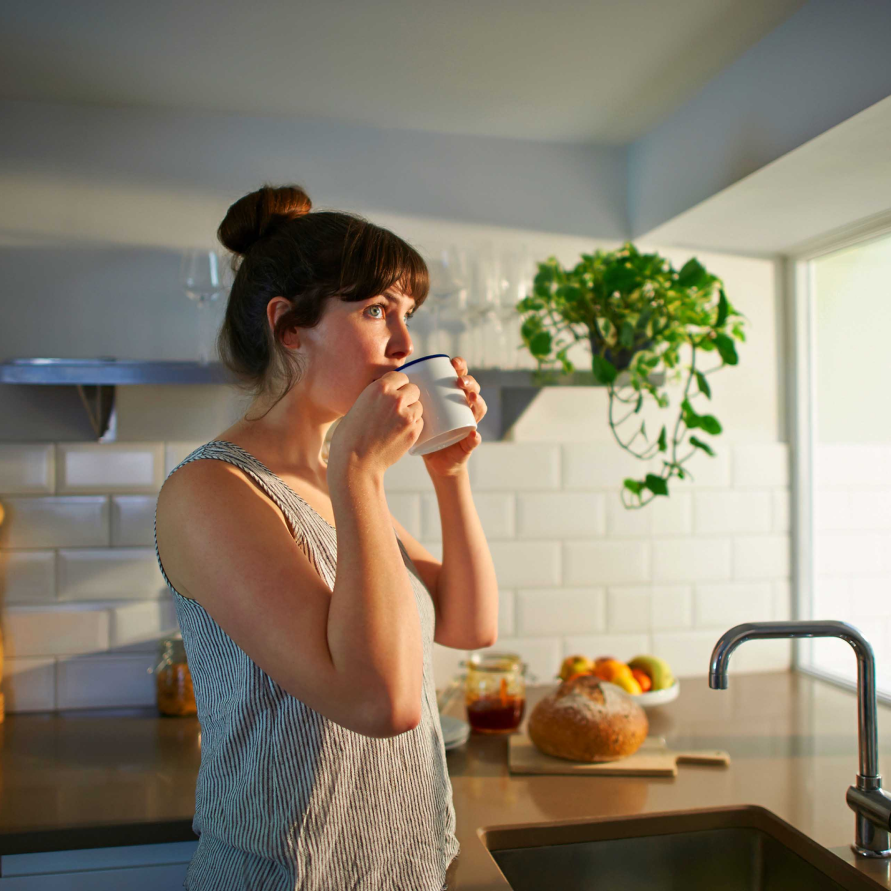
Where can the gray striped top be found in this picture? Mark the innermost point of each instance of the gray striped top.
(286, 799)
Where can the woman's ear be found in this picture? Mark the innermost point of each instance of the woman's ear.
(275, 309)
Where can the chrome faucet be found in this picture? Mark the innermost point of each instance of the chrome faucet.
(871, 805)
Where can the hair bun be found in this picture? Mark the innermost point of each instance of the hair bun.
(259, 213)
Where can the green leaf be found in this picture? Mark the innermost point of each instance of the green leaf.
(626, 335)
(703, 385)
(540, 345)
(726, 348)
(710, 424)
(692, 275)
(639, 403)
(722, 310)
(656, 484)
(644, 317)
(663, 445)
(634, 486)
(604, 370)
(699, 444)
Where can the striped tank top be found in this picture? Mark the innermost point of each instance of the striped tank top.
(286, 799)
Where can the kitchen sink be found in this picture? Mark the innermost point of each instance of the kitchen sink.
(733, 848)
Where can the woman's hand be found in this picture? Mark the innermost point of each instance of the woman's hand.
(451, 460)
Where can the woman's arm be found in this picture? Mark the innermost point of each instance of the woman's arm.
(463, 587)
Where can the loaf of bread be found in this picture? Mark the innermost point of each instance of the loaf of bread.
(586, 719)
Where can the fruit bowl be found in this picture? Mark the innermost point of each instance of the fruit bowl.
(658, 697)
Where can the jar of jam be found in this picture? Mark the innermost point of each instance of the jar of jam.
(173, 680)
(495, 692)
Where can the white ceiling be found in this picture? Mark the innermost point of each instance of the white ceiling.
(834, 189)
(603, 71)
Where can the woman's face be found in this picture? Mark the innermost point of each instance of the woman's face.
(355, 344)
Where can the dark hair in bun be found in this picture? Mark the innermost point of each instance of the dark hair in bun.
(287, 251)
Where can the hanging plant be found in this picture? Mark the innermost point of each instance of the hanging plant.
(637, 314)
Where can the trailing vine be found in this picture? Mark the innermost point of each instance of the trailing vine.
(637, 314)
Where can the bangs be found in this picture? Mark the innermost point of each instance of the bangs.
(375, 260)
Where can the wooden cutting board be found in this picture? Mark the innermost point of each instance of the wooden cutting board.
(652, 759)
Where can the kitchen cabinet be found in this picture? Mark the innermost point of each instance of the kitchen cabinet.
(157, 867)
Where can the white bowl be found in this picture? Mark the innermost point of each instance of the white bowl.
(658, 697)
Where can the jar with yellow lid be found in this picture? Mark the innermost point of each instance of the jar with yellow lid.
(173, 680)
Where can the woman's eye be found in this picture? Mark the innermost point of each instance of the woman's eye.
(382, 306)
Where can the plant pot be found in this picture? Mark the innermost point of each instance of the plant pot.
(620, 358)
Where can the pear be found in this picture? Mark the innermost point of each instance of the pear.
(657, 669)
(575, 665)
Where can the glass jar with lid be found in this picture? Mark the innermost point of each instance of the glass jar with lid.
(495, 692)
(173, 680)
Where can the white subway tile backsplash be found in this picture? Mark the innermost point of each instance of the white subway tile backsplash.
(409, 474)
(623, 647)
(406, 507)
(59, 630)
(761, 655)
(177, 452)
(762, 556)
(133, 520)
(139, 626)
(29, 685)
(598, 465)
(672, 515)
(86, 603)
(507, 626)
(27, 469)
(649, 608)
(563, 515)
(609, 562)
(104, 681)
(720, 513)
(711, 471)
(541, 655)
(629, 610)
(761, 466)
(725, 605)
(550, 611)
(28, 577)
(496, 510)
(661, 516)
(526, 563)
(87, 468)
(782, 505)
(782, 601)
(56, 522)
(109, 574)
(687, 652)
(515, 466)
(691, 559)
(446, 664)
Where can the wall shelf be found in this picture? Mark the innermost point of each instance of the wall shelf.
(507, 392)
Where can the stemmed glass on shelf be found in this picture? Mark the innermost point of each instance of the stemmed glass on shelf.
(204, 276)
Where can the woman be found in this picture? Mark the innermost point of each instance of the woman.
(308, 613)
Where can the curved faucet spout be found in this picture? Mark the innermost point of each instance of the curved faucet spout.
(866, 671)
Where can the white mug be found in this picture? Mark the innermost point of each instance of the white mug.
(448, 418)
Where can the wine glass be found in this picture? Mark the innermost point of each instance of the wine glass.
(203, 275)
(449, 275)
